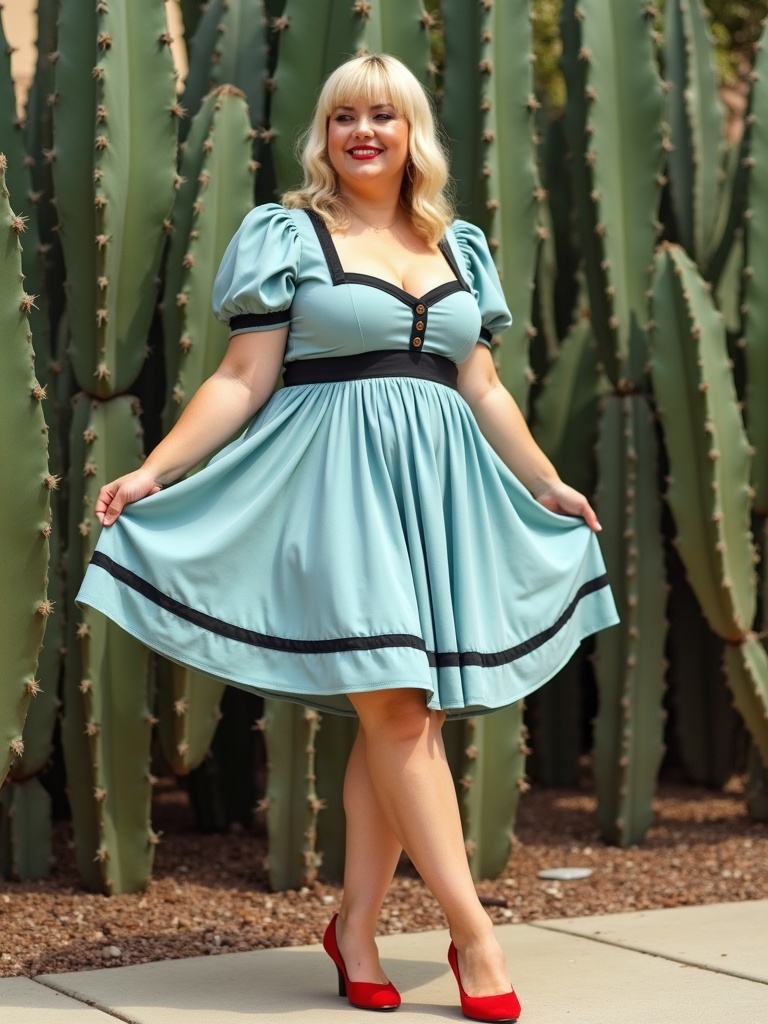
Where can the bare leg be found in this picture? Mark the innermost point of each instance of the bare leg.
(372, 853)
(410, 775)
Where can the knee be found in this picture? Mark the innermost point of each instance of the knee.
(395, 715)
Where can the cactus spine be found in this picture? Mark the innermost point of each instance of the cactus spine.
(25, 508)
(630, 657)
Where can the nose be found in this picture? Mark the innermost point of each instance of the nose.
(364, 129)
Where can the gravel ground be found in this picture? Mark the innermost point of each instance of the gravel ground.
(209, 895)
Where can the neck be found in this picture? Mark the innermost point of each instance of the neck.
(373, 207)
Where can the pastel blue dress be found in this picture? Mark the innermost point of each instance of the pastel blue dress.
(360, 534)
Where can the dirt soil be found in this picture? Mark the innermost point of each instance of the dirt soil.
(209, 893)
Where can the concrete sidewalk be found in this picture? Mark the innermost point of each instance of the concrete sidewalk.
(693, 965)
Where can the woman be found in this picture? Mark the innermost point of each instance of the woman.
(385, 539)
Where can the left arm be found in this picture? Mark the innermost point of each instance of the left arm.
(505, 429)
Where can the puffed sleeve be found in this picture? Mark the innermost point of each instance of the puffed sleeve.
(483, 278)
(254, 287)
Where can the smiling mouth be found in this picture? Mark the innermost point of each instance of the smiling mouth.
(367, 151)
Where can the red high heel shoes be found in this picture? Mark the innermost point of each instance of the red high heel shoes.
(497, 1009)
(365, 995)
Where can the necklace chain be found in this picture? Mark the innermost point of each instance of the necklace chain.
(384, 227)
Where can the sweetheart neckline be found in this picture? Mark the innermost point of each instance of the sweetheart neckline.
(341, 276)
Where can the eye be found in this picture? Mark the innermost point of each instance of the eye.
(341, 118)
(385, 117)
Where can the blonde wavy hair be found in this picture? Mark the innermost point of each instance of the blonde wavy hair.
(371, 79)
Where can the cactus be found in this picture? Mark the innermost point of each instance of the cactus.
(615, 126)
(223, 788)
(215, 196)
(335, 737)
(114, 205)
(554, 721)
(25, 831)
(191, 12)
(567, 411)
(107, 719)
(492, 779)
(291, 803)
(25, 509)
(402, 30)
(460, 106)
(755, 294)
(19, 184)
(229, 48)
(708, 494)
(315, 36)
(630, 657)
(707, 727)
(696, 118)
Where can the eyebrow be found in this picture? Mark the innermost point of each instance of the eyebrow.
(374, 106)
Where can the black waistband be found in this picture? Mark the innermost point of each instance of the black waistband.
(385, 363)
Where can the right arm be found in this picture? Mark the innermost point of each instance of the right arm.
(222, 405)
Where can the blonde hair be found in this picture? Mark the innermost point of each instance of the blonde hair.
(369, 79)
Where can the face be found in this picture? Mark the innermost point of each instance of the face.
(367, 144)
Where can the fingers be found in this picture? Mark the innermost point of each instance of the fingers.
(567, 501)
(113, 497)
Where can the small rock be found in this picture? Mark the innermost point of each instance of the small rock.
(328, 900)
(552, 890)
(565, 874)
(111, 952)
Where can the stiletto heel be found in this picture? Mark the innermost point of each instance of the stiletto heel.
(365, 995)
(501, 1009)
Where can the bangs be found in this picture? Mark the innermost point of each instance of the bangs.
(367, 80)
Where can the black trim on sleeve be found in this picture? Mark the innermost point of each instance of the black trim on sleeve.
(246, 321)
(339, 645)
(486, 335)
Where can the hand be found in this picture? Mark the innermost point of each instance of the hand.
(115, 496)
(561, 498)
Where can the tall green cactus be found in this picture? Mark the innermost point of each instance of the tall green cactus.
(25, 508)
(630, 657)
(707, 448)
(215, 195)
(335, 737)
(709, 457)
(755, 305)
(460, 107)
(492, 779)
(697, 127)
(615, 124)
(107, 718)
(708, 729)
(291, 803)
(25, 200)
(116, 102)
(229, 48)
(488, 110)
